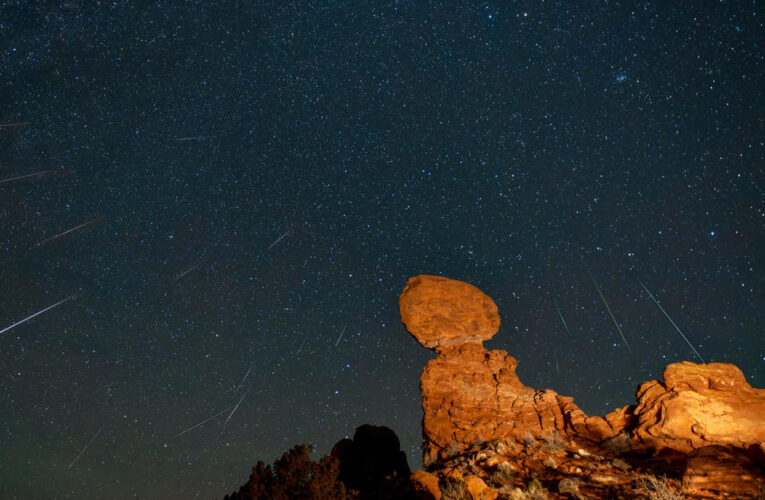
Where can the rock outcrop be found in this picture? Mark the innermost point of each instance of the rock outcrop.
(441, 311)
(700, 405)
(700, 431)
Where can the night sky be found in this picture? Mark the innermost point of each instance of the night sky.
(249, 185)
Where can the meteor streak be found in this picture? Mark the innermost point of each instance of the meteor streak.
(20, 177)
(13, 125)
(192, 138)
(298, 351)
(597, 287)
(244, 378)
(235, 408)
(655, 301)
(38, 175)
(341, 336)
(36, 314)
(555, 357)
(213, 455)
(556, 303)
(91, 222)
(280, 238)
(203, 422)
(187, 271)
(71, 464)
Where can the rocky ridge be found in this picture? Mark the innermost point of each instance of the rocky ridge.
(700, 433)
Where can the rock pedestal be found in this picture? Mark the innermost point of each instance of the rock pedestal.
(701, 431)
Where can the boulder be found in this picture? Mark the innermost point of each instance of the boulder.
(440, 311)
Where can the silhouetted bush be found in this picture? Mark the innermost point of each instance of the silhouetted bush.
(371, 466)
(294, 476)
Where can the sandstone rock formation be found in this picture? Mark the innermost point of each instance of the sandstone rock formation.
(700, 405)
(441, 311)
(701, 431)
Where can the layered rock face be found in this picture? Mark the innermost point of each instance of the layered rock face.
(699, 405)
(701, 431)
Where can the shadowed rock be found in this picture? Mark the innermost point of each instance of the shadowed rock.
(373, 464)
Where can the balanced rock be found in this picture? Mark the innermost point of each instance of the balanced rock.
(440, 311)
(700, 432)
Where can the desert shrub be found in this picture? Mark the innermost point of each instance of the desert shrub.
(493, 445)
(657, 488)
(502, 475)
(554, 442)
(536, 491)
(529, 439)
(452, 450)
(295, 475)
(619, 444)
(569, 486)
(453, 488)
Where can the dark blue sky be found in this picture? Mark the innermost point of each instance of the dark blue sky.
(507, 144)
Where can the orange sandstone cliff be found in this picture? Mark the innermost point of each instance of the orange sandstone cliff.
(699, 434)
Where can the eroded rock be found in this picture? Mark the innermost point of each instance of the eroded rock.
(700, 405)
(701, 430)
(442, 312)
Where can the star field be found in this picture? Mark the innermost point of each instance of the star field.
(227, 198)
